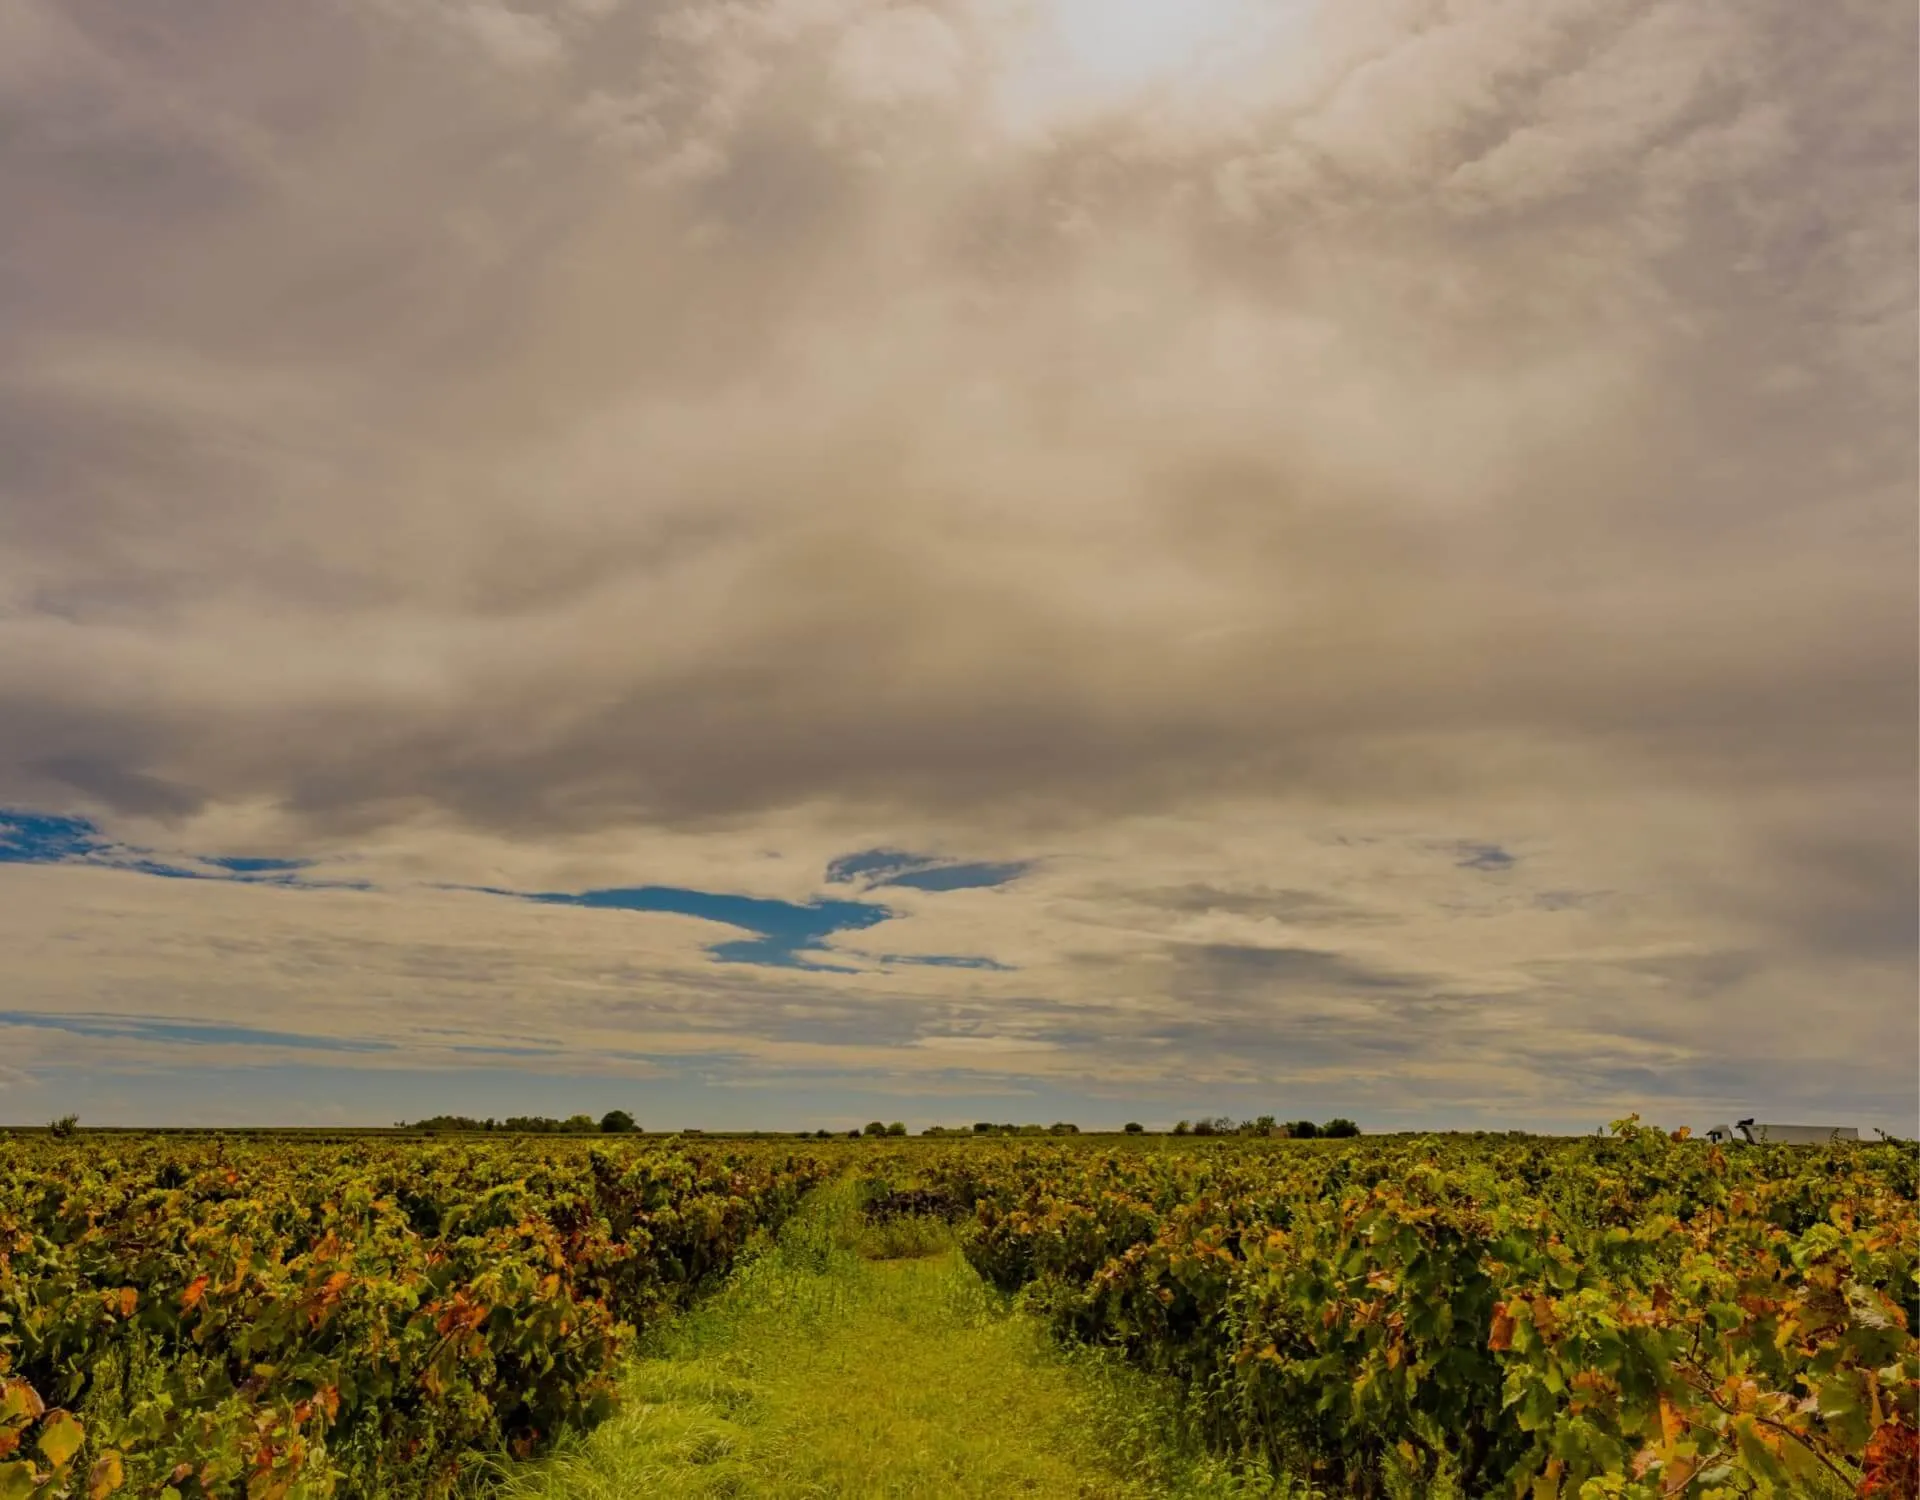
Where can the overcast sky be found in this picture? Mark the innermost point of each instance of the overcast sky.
(776, 562)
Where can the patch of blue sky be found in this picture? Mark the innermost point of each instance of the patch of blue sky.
(142, 866)
(196, 1033)
(779, 934)
(785, 932)
(483, 1051)
(922, 872)
(706, 1058)
(28, 838)
(33, 838)
(948, 961)
(1487, 857)
(249, 864)
(966, 877)
(873, 864)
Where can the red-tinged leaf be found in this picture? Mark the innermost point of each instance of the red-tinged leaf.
(1892, 1464)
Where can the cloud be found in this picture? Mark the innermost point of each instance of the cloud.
(896, 55)
(783, 933)
(513, 37)
(192, 1033)
(1427, 486)
(922, 872)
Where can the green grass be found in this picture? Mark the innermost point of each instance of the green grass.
(848, 1361)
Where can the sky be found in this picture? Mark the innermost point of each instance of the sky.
(772, 563)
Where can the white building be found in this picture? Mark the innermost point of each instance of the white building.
(1755, 1134)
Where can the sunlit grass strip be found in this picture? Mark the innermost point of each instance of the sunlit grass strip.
(871, 1361)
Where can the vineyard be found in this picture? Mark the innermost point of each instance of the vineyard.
(188, 1319)
(1635, 1316)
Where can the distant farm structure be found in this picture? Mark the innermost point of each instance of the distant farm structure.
(1753, 1133)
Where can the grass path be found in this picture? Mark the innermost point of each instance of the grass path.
(852, 1362)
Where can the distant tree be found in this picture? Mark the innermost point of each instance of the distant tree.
(1264, 1125)
(1340, 1128)
(442, 1123)
(876, 1127)
(1181, 1127)
(1033, 1130)
(822, 1133)
(983, 1127)
(616, 1122)
(1063, 1127)
(853, 1133)
(896, 1128)
(1303, 1130)
(1134, 1127)
(579, 1124)
(65, 1126)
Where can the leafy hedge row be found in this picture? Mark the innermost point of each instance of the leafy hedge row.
(1639, 1317)
(288, 1321)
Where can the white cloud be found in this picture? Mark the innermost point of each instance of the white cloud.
(606, 447)
(898, 55)
(513, 38)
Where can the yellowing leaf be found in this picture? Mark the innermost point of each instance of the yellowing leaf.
(106, 1476)
(19, 1403)
(17, 1481)
(60, 1438)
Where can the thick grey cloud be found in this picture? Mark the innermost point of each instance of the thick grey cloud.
(578, 443)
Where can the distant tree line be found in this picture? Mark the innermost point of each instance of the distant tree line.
(613, 1122)
(1298, 1130)
(987, 1127)
(619, 1122)
(1262, 1125)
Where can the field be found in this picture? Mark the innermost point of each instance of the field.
(377, 1316)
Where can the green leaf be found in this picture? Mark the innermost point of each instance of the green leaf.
(17, 1481)
(1844, 1409)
